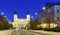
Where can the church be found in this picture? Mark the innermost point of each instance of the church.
(18, 22)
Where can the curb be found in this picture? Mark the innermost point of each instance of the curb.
(40, 33)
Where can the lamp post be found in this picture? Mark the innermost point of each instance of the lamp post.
(48, 19)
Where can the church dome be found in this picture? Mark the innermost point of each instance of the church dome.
(27, 13)
(15, 12)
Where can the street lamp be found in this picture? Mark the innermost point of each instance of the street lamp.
(44, 8)
(36, 13)
(31, 16)
(2, 13)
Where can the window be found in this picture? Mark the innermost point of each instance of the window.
(57, 10)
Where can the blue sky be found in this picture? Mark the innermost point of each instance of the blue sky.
(22, 6)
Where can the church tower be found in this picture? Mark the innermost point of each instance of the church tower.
(15, 15)
(18, 23)
(28, 15)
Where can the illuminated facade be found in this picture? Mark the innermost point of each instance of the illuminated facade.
(50, 17)
(18, 22)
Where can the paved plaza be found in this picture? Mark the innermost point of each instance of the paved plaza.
(27, 32)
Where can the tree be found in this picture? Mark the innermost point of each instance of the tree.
(3, 23)
(33, 24)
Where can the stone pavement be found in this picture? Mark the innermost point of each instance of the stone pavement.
(24, 32)
(45, 32)
(6, 32)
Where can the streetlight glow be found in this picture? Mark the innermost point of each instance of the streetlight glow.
(31, 16)
(43, 8)
(2, 13)
(36, 13)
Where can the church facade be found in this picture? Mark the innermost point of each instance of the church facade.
(18, 22)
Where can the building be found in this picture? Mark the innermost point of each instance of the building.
(18, 22)
(50, 17)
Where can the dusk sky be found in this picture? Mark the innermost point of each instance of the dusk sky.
(22, 6)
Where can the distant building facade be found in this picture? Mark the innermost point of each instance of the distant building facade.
(18, 22)
(50, 16)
